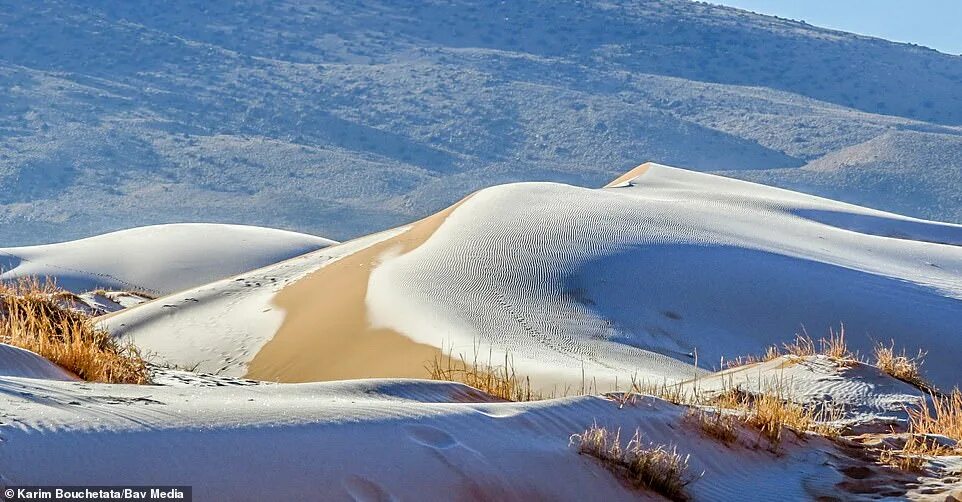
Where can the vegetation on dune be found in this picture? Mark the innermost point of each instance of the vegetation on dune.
(834, 347)
(499, 380)
(33, 317)
(899, 365)
(770, 411)
(929, 426)
(659, 468)
(942, 417)
(715, 423)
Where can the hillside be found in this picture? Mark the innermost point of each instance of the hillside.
(908, 172)
(382, 113)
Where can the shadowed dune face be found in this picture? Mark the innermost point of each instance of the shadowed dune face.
(326, 316)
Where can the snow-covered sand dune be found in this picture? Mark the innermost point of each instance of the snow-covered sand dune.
(659, 268)
(17, 362)
(158, 259)
(373, 440)
(871, 400)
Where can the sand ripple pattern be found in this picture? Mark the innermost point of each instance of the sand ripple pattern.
(637, 277)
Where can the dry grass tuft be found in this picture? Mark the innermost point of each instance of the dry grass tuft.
(900, 366)
(673, 393)
(771, 413)
(771, 353)
(499, 380)
(835, 347)
(926, 423)
(32, 317)
(658, 468)
(909, 458)
(804, 345)
(944, 418)
(715, 424)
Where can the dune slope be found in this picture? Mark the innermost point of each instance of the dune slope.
(369, 440)
(662, 269)
(156, 259)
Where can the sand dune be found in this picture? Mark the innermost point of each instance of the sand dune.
(158, 259)
(17, 362)
(639, 278)
(326, 315)
(371, 440)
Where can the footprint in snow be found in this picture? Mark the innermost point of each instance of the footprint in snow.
(430, 436)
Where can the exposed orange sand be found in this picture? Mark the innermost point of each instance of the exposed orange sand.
(326, 334)
(634, 173)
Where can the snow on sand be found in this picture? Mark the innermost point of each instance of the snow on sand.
(158, 259)
(635, 278)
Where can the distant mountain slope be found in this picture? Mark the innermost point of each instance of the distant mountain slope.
(158, 259)
(659, 271)
(905, 171)
(340, 118)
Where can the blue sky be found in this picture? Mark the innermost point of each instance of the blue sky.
(932, 23)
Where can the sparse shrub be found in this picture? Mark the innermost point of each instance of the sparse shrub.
(32, 317)
(658, 468)
(802, 346)
(497, 380)
(909, 458)
(944, 418)
(900, 366)
(715, 423)
(771, 412)
(835, 347)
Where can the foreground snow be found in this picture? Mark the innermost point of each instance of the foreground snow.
(157, 259)
(638, 278)
(376, 440)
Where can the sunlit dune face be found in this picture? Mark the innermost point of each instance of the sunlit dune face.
(634, 173)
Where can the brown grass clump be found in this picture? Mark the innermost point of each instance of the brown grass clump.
(900, 366)
(658, 468)
(910, 458)
(835, 347)
(715, 424)
(32, 318)
(771, 413)
(944, 418)
(802, 346)
(499, 380)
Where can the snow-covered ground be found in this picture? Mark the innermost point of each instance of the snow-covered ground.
(869, 399)
(384, 440)
(580, 285)
(158, 259)
(125, 113)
